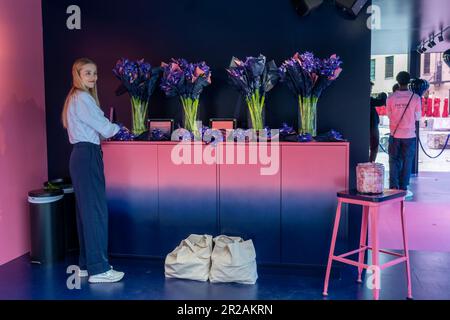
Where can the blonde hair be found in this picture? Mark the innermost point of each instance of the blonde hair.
(77, 84)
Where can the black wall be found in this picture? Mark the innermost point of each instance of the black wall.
(213, 31)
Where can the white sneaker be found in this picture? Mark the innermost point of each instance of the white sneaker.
(84, 273)
(409, 195)
(107, 277)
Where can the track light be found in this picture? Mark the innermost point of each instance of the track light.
(422, 48)
(441, 35)
(431, 42)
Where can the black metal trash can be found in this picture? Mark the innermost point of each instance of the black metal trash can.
(47, 225)
(70, 219)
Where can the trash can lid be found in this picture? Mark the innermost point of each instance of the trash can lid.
(43, 193)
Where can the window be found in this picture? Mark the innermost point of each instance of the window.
(389, 71)
(372, 69)
(438, 75)
(426, 63)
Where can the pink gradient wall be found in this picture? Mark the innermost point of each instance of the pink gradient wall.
(23, 149)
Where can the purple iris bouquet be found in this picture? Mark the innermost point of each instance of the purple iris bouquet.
(254, 78)
(307, 77)
(186, 80)
(139, 80)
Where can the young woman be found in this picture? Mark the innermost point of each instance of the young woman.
(85, 123)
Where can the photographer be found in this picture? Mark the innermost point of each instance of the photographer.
(403, 110)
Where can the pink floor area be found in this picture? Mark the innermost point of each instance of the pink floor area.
(428, 216)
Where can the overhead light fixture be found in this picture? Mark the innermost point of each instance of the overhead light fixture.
(419, 49)
(422, 48)
(431, 42)
(441, 37)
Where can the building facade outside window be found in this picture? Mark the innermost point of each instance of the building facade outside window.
(373, 65)
(426, 63)
(389, 67)
(378, 62)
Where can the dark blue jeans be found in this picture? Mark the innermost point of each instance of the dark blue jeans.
(401, 157)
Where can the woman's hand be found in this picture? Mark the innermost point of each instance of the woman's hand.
(124, 134)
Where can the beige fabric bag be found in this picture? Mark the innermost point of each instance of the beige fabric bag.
(233, 260)
(191, 259)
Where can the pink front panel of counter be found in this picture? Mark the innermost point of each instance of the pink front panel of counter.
(249, 187)
(130, 166)
(311, 176)
(131, 174)
(317, 168)
(187, 195)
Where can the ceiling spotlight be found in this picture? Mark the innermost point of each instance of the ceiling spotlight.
(431, 43)
(441, 37)
(422, 48)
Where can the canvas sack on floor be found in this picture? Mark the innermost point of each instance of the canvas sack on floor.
(191, 259)
(233, 260)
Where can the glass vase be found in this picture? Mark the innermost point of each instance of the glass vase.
(190, 108)
(255, 104)
(139, 111)
(307, 115)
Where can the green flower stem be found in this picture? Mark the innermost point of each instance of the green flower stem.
(255, 105)
(139, 115)
(308, 115)
(190, 107)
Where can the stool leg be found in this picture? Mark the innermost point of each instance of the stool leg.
(363, 240)
(333, 244)
(375, 254)
(405, 247)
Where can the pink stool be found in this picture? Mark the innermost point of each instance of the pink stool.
(371, 205)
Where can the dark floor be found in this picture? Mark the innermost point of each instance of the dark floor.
(145, 280)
